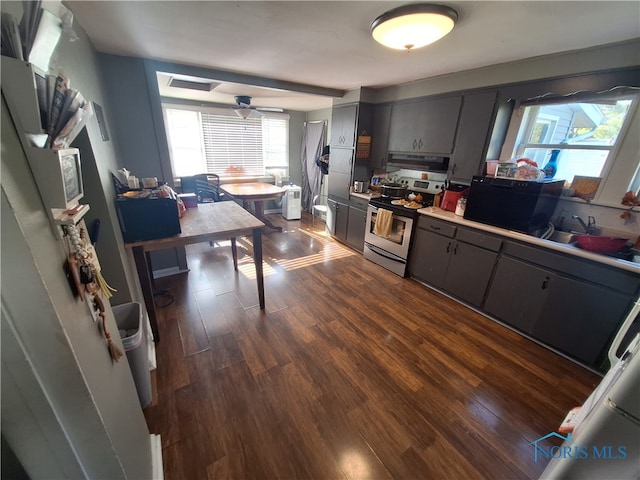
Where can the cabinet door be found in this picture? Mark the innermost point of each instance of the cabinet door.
(343, 126)
(332, 213)
(472, 137)
(341, 160)
(338, 184)
(342, 219)
(380, 136)
(518, 293)
(356, 226)
(469, 272)
(579, 318)
(428, 126)
(430, 257)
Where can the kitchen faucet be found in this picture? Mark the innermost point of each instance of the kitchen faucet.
(588, 228)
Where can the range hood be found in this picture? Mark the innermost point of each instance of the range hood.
(427, 163)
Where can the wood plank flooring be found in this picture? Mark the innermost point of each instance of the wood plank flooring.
(351, 373)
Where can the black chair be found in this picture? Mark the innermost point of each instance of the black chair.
(206, 186)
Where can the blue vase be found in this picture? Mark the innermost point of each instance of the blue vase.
(551, 167)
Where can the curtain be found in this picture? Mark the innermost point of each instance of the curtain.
(313, 139)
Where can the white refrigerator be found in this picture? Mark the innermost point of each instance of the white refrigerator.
(605, 442)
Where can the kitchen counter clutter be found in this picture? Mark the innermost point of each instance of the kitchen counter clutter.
(568, 299)
(366, 196)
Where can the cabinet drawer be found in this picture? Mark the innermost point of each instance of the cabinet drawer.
(437, 226)
(610, 277)
(358, 202)
(479, 239)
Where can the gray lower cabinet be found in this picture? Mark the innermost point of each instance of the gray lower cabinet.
(461, 266)
(517, 293)
(469, 272)
(430, 257)
(337, 219)
(576, 315)
(579, 318)
(356, 226)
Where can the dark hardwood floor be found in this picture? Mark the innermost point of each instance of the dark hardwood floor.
(351, 373)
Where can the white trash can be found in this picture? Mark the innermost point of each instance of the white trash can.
(129, 320)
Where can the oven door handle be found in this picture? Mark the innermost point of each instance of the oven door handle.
(382, 253)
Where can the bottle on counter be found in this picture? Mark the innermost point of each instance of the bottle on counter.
(551, 167)
(460, 206)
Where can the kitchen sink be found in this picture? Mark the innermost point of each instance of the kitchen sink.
(563, 237)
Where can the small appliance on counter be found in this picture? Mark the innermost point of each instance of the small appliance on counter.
(360, 187)
(452, 194)
(521, 205)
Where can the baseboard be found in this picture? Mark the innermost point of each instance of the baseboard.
(166, 272)
(156, 457)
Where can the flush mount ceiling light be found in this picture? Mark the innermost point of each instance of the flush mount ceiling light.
(413, 26)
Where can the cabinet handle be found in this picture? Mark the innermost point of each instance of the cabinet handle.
(455, 249)
(433, 227)
(545, 282)
(448, 247)
(415, 143)
(420, 144)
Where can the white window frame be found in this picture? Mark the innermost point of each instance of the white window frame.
(621, 171)
(267, 167)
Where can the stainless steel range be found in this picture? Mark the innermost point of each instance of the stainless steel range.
(389, 246)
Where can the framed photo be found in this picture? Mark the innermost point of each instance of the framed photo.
(101, 123)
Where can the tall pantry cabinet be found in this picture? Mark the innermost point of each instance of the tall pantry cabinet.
(347, 122)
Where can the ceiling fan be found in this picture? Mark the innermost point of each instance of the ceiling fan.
(244, 109)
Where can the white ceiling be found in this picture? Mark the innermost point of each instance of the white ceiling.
(328, 44)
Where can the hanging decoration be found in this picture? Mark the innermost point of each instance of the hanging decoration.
(87, 279)
(114, 351)
(363, 146)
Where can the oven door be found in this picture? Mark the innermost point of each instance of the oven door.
(399, 239)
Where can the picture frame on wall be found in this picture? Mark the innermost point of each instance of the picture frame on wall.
(101, 123)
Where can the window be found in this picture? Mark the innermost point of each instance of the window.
(215, 140)
(582, 134)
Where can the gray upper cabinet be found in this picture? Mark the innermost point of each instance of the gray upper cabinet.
(343, 126)
(341, 160)
(472, 138)
(380, 136)
(426, 126)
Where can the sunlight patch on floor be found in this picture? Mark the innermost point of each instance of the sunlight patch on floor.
(330, 251)
(248, 268)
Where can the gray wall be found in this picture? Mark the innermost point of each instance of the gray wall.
(68, 411)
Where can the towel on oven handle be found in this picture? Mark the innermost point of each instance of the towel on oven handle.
(384, 220)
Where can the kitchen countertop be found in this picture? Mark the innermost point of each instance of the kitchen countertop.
(559, 247)
(367, 196)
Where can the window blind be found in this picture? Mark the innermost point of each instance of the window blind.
(230, 145)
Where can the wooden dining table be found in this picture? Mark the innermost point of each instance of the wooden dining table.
(256, 193)
(209, 222)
